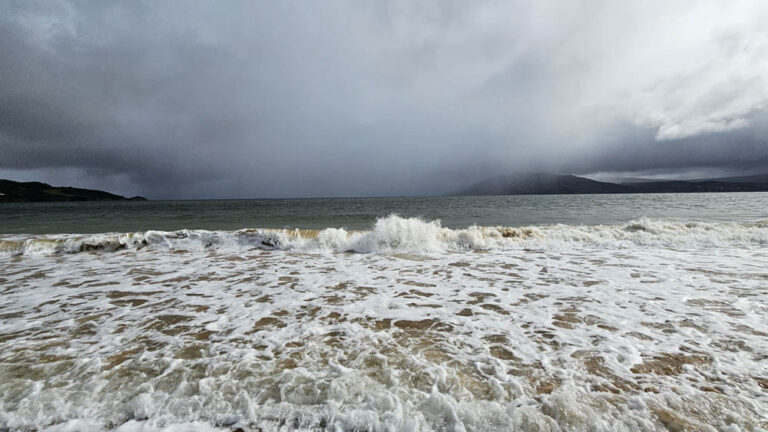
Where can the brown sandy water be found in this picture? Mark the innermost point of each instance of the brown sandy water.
(592, 336)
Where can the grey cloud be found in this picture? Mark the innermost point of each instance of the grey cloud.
(743, 150)
(180, 100)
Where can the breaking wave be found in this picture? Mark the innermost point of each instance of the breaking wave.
(394, 234)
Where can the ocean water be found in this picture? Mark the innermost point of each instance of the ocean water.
(538, 313)
(362, 213)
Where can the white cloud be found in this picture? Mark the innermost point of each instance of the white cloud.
(683, 68)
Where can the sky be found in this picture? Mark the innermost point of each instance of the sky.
(247, 99)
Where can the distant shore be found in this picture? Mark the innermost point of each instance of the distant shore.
(12, 191)
(554, 184)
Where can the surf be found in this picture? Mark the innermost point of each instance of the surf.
(395, 234)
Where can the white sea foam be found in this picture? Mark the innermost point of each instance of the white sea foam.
(646, 326)
(394, 234)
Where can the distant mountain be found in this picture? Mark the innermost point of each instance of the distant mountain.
(629, 180)
(758, 178)
(544, 184)
(11, 191)
(548, 184)
(667, 186)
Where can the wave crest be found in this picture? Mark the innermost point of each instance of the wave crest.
(394, 234)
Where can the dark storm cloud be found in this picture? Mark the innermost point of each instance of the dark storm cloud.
(743, 150)
(175, 99)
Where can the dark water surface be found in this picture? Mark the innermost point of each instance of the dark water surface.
(361, 213)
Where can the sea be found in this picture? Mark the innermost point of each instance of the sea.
(500, 313)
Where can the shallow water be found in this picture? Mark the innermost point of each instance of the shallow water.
(648, 325)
